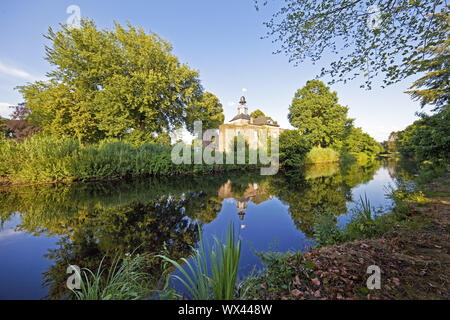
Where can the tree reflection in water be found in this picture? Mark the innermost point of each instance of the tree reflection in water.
(102, 219)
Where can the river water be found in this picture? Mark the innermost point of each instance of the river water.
(43, 229)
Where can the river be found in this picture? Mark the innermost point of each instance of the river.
(43, 229)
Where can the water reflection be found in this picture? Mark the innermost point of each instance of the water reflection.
(89, 221)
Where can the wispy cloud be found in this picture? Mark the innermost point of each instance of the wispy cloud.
(231, 104)
(244, 90)
(5, 111)
(16, 73)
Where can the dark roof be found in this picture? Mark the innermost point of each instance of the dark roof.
(241, 116)
(260, 121)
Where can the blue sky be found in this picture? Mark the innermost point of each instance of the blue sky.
(221, 39)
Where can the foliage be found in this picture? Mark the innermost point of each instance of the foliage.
(348, 30)
(18, 127)
(277, 273)
(223, 261)
(365, 223)
(126, 280)
(259, 114)
(292, 150)
(317, 115)
(108, 83)
(357, 141)
(322, 155)
(43, 158)
(325, 230)
(208, 110)
(437, 68)
(427, 138)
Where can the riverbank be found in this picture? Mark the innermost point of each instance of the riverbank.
(412, 253)
(44, 159)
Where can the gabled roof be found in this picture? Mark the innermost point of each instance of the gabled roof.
(241, 116)
(261, 121)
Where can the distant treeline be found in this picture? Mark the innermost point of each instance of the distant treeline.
(427, 139)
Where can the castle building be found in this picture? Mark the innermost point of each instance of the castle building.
(252, 129)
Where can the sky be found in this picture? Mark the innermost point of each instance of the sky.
(220, 39)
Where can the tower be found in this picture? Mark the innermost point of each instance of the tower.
(242, 108)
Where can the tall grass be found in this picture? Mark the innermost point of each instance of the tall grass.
(221, 282)
(44, 158)
(125, 280)
(322, 155)
(366, 222)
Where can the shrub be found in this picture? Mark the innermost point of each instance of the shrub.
(292, 149)
(43, 158)
(322, 155)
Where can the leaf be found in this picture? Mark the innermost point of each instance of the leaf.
(316, 281)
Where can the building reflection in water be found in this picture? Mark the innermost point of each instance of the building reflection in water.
(253, 193)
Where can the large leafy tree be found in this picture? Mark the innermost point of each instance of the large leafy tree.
(368, 38)
(257, 114)
(109, 83)
(315, 111)
(434, 87)
(208, 109)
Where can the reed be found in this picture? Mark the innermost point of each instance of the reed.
(221, 282)
(126, 280)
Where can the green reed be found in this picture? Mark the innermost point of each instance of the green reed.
(221, 282)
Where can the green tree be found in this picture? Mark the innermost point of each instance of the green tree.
(257, 114)
(351, 31)
(208, 109)
(293, 149)
(437, 68)
(427, 138)
(109, 83)
(316, 113)
(357, 141)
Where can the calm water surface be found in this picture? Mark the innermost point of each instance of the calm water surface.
(43, 229)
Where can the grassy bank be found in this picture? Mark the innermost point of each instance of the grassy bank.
(322, 155)
(42, 159)
(329, 155)
(410, 245)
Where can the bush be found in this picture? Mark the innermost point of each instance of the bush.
(322, 155)
(293, 150)
(43, 158)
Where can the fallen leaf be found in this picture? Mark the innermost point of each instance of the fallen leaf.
(316, 281)
(396, 281)
(296, 292)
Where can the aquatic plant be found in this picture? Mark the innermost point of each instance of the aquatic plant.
(126, 280)
(221, 282)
